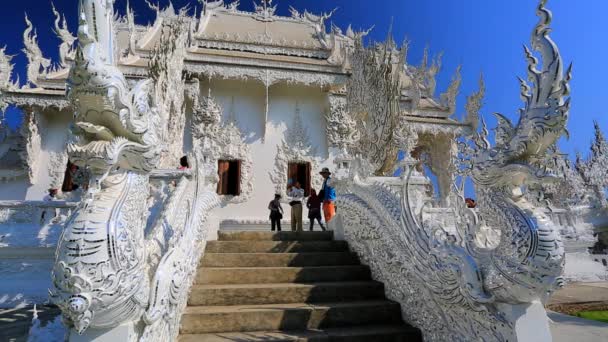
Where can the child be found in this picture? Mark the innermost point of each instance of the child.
(276, 212)
(314, 209)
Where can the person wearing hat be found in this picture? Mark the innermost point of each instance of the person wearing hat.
(329, 195)
(276, 212)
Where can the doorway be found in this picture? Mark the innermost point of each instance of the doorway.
(229, 172)
(299, 171)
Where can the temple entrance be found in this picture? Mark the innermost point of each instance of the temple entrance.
(74, 178)
(229, 172)
(300, 172)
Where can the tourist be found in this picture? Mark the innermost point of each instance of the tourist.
(48, 198)
(296, 194)
(183, 163)
(314, 209)
(329, 195)
(276, 212)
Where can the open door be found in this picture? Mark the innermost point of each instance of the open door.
(229, 172)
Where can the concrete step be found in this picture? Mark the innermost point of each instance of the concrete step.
(269, 275)
(376, 333)
(271, 236)
(271, 317)
(275, 246)
(251, 294)
(278, 259)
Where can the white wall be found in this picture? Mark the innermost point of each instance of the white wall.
(53, 134)
(249, 109)
(54, 130)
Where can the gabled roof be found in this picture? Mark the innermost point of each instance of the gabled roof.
(302, 34)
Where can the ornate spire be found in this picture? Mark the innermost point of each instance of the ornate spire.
(6, 70)
(448, 99)
(66, 49)
(298, 135)
(474, 104)
(37, 64)
(265, 11)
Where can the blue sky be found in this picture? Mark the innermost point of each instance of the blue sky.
(484, 36)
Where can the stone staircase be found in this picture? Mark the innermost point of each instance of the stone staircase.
(263, 286)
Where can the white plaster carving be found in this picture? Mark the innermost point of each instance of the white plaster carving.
(448, 285)
(175, 247)
(593, 169)
(448, 99)
(373, 95)
(66, 49)
(37, 65)
(341, 127)
(219, 141)
(6, 74)
(100, 277)
(166, 70)
(473, 106)
(38, 101)
(267, 76)
(31, 131)
(295, 148)
(57, 168)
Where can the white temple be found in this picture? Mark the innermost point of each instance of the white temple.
(256, 101)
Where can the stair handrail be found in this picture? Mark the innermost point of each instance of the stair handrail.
(174, 247)
(450, 286)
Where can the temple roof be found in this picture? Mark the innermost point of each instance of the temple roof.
(233, 44)
(247, 28)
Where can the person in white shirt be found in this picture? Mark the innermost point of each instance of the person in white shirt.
(296, 194)
(51, 196)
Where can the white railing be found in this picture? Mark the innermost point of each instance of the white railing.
(32, 223)
(174, 247)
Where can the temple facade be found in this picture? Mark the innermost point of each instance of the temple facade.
(273, 88)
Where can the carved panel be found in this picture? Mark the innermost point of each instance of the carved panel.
(218, 141)
(295, 148)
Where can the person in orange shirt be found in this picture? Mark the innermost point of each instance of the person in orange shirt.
(329, 195)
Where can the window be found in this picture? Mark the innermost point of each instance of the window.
(299, 172)
(229, 172)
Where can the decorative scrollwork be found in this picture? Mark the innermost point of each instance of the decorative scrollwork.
(461, 286)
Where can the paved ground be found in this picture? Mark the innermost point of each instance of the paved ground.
(581, 293)
(566, 328)
(15, 323)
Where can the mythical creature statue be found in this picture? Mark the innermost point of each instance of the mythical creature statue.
(37, 64)
(6, 69)
(113, 267)
(66, 48)
(6, 72)
(100, 275)
(450, 286)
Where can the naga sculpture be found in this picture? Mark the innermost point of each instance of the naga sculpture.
(37, 64)
(108, 271)
(66, 50)
(449, 285)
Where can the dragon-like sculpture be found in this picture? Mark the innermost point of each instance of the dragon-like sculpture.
(37, 63)
(108, 272)
(66, 48)
(449, 285)
(100, 275)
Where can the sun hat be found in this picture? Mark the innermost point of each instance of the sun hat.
(325, 170)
